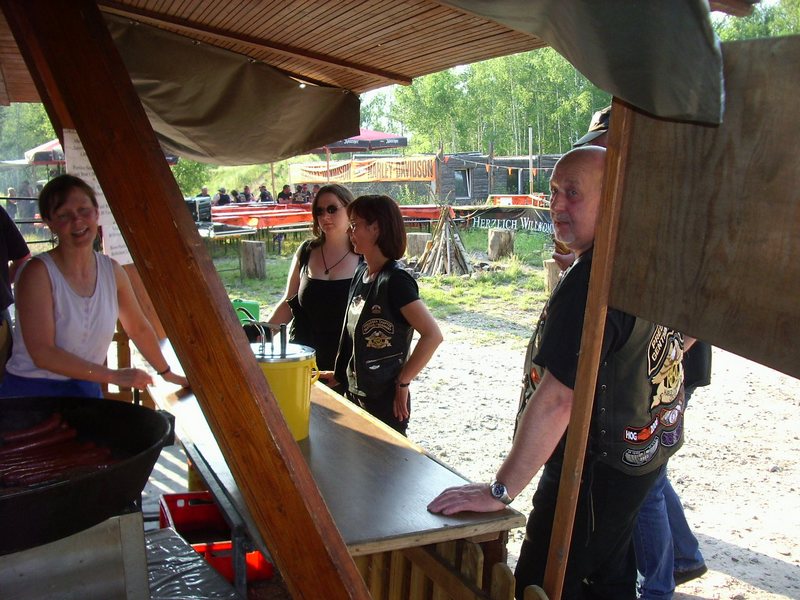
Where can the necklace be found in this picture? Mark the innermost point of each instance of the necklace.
(327, 268)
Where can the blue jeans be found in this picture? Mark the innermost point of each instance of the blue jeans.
(663, 541)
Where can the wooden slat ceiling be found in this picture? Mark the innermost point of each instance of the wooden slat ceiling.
(358, 45)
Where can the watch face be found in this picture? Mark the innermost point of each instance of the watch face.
(498, 490)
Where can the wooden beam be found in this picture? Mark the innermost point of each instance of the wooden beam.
(68, 44)
(591, 345)
(158, 18)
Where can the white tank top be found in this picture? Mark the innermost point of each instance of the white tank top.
(84, 326)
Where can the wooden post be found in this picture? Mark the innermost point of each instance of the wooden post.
(501, 243)
(79, 68)
(254, 259)
(552, 273)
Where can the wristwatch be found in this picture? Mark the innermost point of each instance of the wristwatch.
(499, 492)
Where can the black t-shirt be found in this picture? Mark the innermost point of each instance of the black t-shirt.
(563, 326)
(13, 247)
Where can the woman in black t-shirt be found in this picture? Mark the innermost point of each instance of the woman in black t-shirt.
(374, 360)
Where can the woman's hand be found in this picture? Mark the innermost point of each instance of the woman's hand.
(132, 378)
(328, 379)
(400, 408)
(176, 379)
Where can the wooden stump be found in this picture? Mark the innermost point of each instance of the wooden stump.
(416, 243)
(501, 243)
(253, 259)
(552, 274)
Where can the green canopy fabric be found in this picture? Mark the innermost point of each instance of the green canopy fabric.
(212, 105)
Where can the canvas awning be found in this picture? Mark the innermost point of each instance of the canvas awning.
(659, 55)
(216, 106)
(367, 140)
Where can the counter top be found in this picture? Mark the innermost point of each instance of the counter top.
(375, 482)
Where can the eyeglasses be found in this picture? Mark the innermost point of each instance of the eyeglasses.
(331, 209)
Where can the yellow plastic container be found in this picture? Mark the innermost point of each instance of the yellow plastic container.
(290, 378)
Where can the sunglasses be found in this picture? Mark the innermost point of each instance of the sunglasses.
(331, 209)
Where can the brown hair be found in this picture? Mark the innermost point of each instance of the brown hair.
(384, 211)
(55, 193)
(344, 195)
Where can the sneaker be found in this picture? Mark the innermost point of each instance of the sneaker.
(682, 577)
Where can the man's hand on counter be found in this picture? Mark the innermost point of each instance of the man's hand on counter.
(475, 497)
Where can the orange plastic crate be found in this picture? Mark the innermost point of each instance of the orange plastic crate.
(220, 556)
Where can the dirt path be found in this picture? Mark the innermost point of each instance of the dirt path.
(737, 474)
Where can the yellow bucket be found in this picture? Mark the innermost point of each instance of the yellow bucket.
(290, 377)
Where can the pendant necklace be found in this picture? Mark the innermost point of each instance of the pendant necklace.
(327, 268)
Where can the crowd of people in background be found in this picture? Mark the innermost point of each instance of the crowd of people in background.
(302, 194)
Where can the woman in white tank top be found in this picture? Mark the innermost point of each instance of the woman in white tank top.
(68, 301)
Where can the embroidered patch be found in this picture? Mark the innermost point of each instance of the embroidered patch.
(376, 309)
(378, 333)
(639, 458)
(664, 366)
(642, 434)
(670, 438)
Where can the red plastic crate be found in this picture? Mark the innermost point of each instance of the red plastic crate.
(196, 517)
(220, 556)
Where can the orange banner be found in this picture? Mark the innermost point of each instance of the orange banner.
(376, 169)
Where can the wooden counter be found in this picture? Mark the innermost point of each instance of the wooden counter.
(375, 482)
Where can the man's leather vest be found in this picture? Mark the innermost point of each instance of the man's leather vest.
(637, 423)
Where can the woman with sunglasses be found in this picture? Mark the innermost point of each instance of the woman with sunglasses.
(375, 361)
(319, 278)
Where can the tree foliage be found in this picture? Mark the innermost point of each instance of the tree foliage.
(492, 104)
(191, 176)
(23, 126)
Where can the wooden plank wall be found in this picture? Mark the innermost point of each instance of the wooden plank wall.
(709, 234)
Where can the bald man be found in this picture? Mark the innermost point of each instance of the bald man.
(637, 421)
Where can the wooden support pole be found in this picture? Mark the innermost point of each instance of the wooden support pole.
(67, 43)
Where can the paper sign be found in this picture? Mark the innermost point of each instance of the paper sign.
(78, 164)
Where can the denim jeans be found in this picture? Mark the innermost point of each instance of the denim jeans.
(663, 541)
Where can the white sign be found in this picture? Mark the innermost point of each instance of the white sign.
(78, 164)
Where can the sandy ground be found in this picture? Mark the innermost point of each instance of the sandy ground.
(737, 473)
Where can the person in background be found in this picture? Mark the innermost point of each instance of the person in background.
(203, 193)
(314, 191)
(375, 362)
(235, 199)
(11, 203)
(638, 380)
(221, 198)
(667, 552)
(297, 197)
(285, 195)
(68, 301)
(13, 254)
(247, 195)
(264, 196)
(315, 300)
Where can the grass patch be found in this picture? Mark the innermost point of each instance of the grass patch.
(516, 285)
